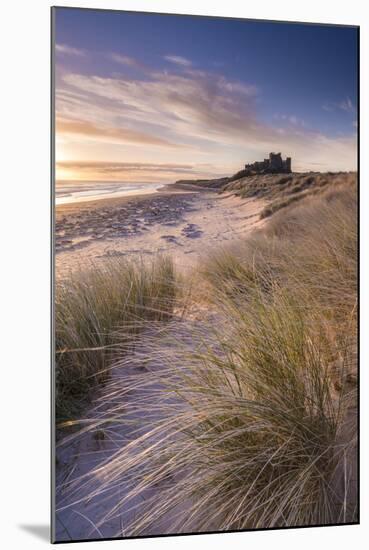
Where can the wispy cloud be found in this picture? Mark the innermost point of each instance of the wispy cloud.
(69, 50)
(126, 60)
(200, 115)
(109, 166)
(290, 119)
(203, 106)
(89, 130)
(178, 60)
(136, 171)
(344, 105)
(347, 105)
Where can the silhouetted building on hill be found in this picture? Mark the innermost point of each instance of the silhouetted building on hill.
(273, 165)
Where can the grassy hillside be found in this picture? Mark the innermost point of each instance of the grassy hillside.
(283, 190)
(280, 190)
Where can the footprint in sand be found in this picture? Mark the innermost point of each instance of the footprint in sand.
(169, 238)
(192, 231)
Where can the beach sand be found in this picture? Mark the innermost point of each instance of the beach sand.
(183, 224)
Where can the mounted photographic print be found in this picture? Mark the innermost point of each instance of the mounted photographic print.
(205, 294)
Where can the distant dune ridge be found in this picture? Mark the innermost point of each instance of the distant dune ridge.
(272, 179)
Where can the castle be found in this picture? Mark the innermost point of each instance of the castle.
(273, 165)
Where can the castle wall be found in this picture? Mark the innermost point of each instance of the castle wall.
(275, 164)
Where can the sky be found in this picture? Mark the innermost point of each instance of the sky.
(157, 98)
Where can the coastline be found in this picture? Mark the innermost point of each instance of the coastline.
(166, 189)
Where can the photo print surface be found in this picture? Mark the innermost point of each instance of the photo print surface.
(205, 274)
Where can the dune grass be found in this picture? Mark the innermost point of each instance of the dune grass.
(251, 419)
(248, 430)
(309, 248)
(97, 312)
(283, 191)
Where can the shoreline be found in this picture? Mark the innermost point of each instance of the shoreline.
(167, 189)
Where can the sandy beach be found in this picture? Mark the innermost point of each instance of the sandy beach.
(171, 221)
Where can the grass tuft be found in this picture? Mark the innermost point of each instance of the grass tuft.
(98, 311)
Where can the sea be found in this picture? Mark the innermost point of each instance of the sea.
(69, 192)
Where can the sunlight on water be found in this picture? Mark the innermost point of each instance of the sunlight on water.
(72, 192)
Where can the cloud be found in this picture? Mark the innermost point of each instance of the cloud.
(178, 60)
(335, 154)
(198, 116)
(132, 171)
(344, 105)
(238, 87)
(69, 50)
(109, 166)
(90, 130)
(201, 106)
(290, 119)
(126, 60)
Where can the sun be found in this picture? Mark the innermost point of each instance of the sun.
(60, 151)
(61, 155)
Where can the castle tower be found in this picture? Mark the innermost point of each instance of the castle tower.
(275, 161)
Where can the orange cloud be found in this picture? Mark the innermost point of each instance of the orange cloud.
(198, 116)
(88, 129)
(132, 171)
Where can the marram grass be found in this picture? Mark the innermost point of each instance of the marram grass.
(97, 312)
(250, 412)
